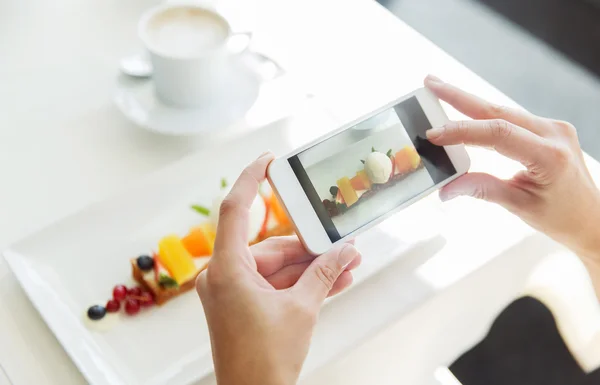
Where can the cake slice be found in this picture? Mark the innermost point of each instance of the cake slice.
(179, 261)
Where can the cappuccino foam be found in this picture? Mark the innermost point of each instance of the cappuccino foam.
(185, 32)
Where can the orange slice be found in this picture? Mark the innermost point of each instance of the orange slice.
(403, 162)
(362, 174)
(200, 241)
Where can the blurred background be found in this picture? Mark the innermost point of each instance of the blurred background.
(545, 54)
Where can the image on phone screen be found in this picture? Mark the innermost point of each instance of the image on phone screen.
(369, 169)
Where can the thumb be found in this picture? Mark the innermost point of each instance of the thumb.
(486, 187)
(314, 284)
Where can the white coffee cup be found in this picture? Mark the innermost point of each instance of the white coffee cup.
(192, 48)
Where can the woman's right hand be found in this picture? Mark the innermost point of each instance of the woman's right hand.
(555, 194)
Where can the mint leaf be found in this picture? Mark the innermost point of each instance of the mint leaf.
(389, 153)
(201, 210)
(372, 149)
(223, 183)
(363, 162)
(167, 281)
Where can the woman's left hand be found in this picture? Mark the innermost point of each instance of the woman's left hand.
(262, 302)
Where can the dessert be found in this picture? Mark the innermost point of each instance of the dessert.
(173, 269)
(379, 171)
(180, 260)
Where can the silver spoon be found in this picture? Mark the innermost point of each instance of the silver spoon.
(136, 65)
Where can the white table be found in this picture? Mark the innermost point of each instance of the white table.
(63, 145)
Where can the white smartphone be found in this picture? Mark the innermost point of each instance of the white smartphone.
(358, 175)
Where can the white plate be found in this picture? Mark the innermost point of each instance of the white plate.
(75, 263)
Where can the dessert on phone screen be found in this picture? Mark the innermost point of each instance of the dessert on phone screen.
(360, 174)
(377, 171)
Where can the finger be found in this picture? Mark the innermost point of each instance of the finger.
(342, 283)
(478, 108)
(275, 253)
(319, 278)
(508, 139)
(489, 188)
(289, 275)
(233, 226)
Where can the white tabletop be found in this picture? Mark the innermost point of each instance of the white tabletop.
(63, 145)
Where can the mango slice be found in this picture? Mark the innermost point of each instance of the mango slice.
(176, 259)
(349, 194)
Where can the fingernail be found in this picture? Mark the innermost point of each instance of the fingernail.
(435, 132)
(433, 80)
(347, 255)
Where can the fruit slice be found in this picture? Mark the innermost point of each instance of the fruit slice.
(360, 193)
(403, 161)
(162, 275)
(358, 183)
(278, 210)
(347, 191)
(200, 241)
(413, 155)
(174, 256)
(362, 174)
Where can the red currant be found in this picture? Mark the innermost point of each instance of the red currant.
(120, 292)
(146, 299)
(132, 306)
(113, 306)
(134, 291)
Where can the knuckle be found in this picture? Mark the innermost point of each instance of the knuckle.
(560, 155)
(247, 173)
(326, 275)
(498, 111)
(460, 128)
(214, 276)
(480, 192)
(500, 128)
(565, 128)
(228, 206)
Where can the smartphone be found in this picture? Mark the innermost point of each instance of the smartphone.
(356, 176)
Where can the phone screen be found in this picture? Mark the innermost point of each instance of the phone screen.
(369, 169)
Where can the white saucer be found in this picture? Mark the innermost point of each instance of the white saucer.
(139, 103)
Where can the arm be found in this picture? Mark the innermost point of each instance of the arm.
(555, 194)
